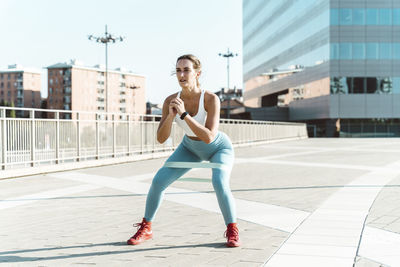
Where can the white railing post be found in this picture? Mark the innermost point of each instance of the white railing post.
(114, 140)
(78, 137)
(129, 134)
(33, 136)
(141, 119)
(3, 138)
(153, 120)
(97, 136)
(57, 114)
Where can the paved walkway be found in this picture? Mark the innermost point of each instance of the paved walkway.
(315, 202)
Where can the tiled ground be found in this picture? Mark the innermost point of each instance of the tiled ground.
(84, 217)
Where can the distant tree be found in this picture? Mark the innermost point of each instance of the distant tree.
(12, 111)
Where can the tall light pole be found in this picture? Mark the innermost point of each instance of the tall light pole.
(227, 55)
(107, 38)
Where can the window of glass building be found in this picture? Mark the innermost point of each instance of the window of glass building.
(371, 85)
(357, 85)
(385, 85)
(335, 86)
(396, 85)
(338, 85)
(358, 16)
(372, 50)
(334, 50)
(345, 16)
(334, 16)
(344, 83)
(385, 16)
(396, 51)
(396, 16)
(358, 51)
(372, 16)
(345, 50)
(385, 50)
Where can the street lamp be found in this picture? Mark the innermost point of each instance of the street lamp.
(107, 38)
(228, 54)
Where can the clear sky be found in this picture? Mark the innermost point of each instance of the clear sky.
(40, 33)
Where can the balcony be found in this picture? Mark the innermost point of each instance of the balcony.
(67, 99)
(20, 94)
(100, 104)
(20, 103)
(67, 90)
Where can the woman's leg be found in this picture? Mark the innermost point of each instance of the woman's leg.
(220, 181)
(164, 177)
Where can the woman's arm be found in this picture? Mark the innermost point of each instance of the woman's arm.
(168, 114)
(208, 132)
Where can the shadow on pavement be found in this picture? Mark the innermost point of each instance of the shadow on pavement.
(212, 191)
(7, 256)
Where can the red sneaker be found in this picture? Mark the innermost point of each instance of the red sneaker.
(232, 234)
(143, 233)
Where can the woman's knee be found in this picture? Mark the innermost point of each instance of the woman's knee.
(159, 183)
(220, 181)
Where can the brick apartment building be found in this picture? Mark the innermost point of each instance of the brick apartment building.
(20, 86)
(72, 86)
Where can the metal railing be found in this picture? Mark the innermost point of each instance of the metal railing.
(32, 140)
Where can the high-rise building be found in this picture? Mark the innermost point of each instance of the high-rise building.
(20, 86)
(72, 86)
(334, 64)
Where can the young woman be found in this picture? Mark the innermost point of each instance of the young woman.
(197, 112)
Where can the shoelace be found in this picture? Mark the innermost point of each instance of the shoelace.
(140, 227)
(232, 233)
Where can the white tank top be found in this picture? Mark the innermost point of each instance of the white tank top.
(200, 117)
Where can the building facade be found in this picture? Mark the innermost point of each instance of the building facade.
(72, 86)
(231, 103)
(334, 64)
(20, 86)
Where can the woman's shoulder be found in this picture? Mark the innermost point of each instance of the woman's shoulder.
(210, 96)
(211, 100)
(170, 97)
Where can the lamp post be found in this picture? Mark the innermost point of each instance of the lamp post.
(107, 38)
(228, 55)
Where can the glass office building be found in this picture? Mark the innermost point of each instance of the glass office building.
(334, 64)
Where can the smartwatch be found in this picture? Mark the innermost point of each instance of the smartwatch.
(184, 115)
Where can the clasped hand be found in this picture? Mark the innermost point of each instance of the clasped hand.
(176, 106)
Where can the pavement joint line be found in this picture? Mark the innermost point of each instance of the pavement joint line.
(315, 150)
(27, 199)
(283, 253)
(284, 219)
(381, 246)
(313, 164)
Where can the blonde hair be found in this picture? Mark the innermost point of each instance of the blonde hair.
(196, 63)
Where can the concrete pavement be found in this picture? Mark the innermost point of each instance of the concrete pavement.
(314, 202)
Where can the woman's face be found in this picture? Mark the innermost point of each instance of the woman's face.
(186, 74)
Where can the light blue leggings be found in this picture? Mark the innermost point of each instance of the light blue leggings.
(218, 151)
